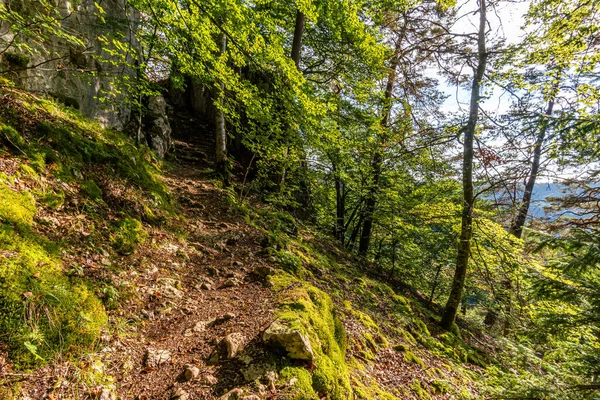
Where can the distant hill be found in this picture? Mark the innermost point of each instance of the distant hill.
(541, 199)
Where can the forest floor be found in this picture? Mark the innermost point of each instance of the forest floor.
(192, 283)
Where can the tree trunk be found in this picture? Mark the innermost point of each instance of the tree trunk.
(297, 41)
(220, 132)
(464, 244)
(377, 163)
(295, 56)
(340, 208)
(519, 221)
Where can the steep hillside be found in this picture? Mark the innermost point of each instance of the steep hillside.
(121, 278)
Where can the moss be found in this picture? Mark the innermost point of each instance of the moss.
(16, 208)
(27, 171)
(90, 189)
(440, 387)
(312, 312)
(53, 199)
(128, 235)
(411, 358)
(302, 388)
(400, 347)
(419, 391)
(17, 60)
(43, 311)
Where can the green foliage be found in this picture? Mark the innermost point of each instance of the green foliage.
(128, 234)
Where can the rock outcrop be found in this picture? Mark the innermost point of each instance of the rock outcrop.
(81, 75)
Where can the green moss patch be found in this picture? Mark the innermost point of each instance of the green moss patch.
(312, 312)
(42, 312)
(129, 233)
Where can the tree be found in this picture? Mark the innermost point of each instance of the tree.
(466, 233)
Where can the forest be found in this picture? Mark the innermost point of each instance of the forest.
(342, 199)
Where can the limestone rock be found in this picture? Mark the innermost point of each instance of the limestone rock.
(263, 271)
(191, 372)
(62, 75)
(231, 282)
(180, 394)
(107, 395)
(156, 357)
(293, 341)
(234, 343)
(209, 379)
(233, 394)
(157, 126)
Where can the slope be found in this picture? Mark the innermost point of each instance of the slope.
(125, 278)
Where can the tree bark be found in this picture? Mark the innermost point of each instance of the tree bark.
(297, 41)
(464, 244)
(519, 221)
(220, 132)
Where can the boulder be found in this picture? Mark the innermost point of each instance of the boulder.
(157, 126)
(292, 340)
(234, 343)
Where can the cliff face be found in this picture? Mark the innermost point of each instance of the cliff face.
(72, 72)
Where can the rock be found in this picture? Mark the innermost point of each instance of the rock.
(107, 395)
(158, 129)
(263, 271)
(206, 286)
(231, 282)
(179, 394)
(191, 372)
(234, 343)
(209, 379)
(155, 357)
(64, 63)
(233, 394)
(271, 378)
(293, 341)
(201, 326)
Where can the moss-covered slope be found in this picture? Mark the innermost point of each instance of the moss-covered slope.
(70, 191)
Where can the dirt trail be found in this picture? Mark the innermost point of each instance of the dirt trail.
(215, 288)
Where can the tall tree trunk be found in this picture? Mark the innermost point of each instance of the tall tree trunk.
(377, 162)
(220, 132)
(295, 56)
(464, 244)
(519, 221)
(297, 41)
(340, 209)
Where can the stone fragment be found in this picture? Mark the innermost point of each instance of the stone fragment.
(180, 394)
(209, 379)
(233, 394)
(156, 357)
(191, 372)
(263, 271)
(234, 343)
(231, 282)
(292, 340)
(107, 395)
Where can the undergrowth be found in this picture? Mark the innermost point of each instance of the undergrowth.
(52, 161)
